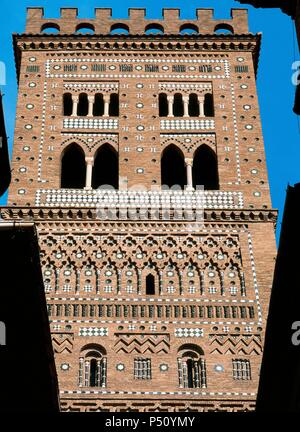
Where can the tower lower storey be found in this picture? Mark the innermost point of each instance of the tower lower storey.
(157, 315)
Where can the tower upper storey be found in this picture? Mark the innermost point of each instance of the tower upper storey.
(138, 103)
(137, 22)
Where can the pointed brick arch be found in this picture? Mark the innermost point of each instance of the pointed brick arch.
(106, 167)
(73, 167)
(172, 167)
(205, 168)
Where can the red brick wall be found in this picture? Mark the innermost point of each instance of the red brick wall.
(238, 219)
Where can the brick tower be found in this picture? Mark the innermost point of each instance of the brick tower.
(157, 295)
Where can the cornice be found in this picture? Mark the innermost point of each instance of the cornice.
(168, 42)
(73, 215)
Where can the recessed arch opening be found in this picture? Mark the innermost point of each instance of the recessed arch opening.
(50, 28)
(224, 29)
(172, 167)
(73, 168)
(106, 168)
(83, 105)
(119, 29)
(150, 284)
(67, 104)
(154, 29)
(163, 105)
(85, 28)
(205, 169)
(189, 29)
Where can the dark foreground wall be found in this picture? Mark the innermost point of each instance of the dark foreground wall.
(279, 388)
(27, 370)
(5, 174)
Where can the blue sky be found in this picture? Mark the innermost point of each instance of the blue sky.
(276, 92)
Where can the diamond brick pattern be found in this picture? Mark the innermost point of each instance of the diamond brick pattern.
(188, 332)
(93, 331)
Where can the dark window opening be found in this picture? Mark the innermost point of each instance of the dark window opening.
(178, 105)
(172, 167)
(209, 105)
(98, 105)
(68, 104)
(163, 105)
(106, 168)
(190, 373)
(114, 105)
(83, 105)
(205, 169)
(93, 373)
(150, 285)
(73, 168)
(194, 105)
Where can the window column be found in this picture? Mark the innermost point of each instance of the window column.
(106, 99)
(87, 373)
(203, 373)
(201, 106)
(180, 372)
(81, 371)
(170, 105)
(185, 106)
(104, 372)
(89, 170)
(189, 173)
(75, 100)
(91, 99)
(196, 377)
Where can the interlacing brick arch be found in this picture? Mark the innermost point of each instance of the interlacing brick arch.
(107, 260)
(91, 148)
(188, 146)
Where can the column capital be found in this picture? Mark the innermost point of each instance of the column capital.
(89, 160)
(170, 97)
(75, 98)
(91, 98)
(106, 97)
(188, 161)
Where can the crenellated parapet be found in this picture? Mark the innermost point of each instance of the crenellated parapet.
(136, 23)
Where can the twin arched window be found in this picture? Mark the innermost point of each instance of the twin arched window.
(204, 171)
(105, 171)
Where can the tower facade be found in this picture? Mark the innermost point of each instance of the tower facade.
(157, 294)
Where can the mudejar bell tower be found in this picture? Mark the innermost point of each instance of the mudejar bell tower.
(157, 295)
